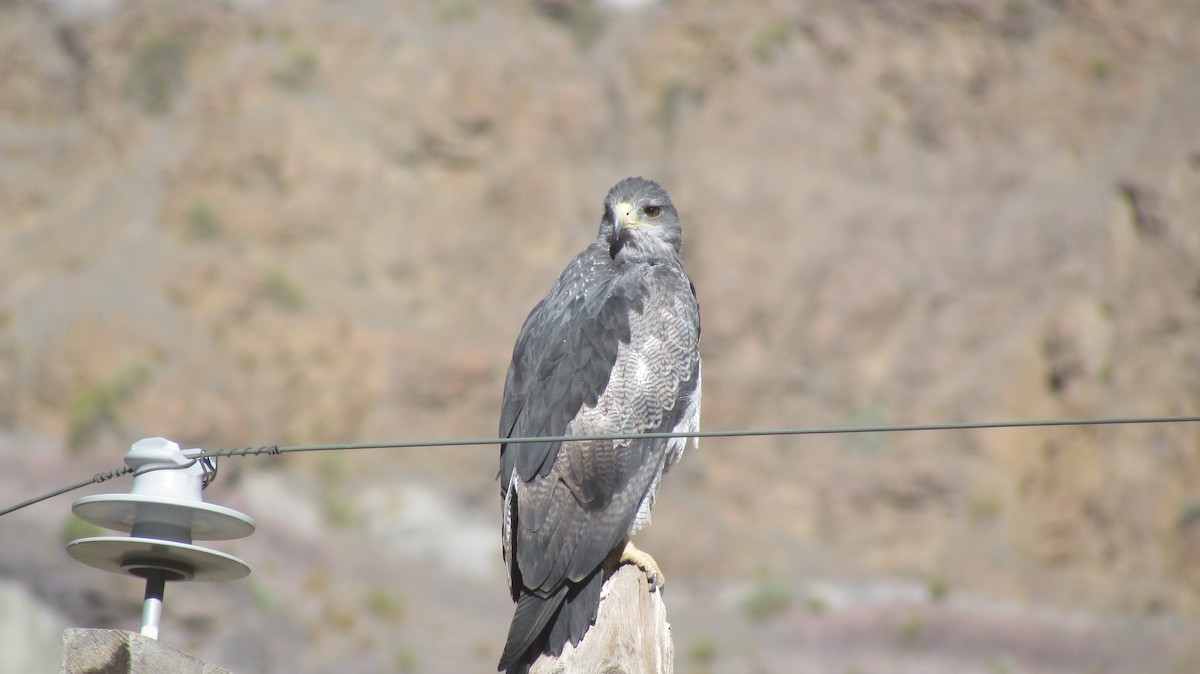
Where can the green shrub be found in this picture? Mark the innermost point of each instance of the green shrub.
(203, 223)
(96, 407)
(284, 291)
(768, 599)
(157, 71)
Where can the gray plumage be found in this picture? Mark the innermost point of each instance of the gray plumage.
(613, 348)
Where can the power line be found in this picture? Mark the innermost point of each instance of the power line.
(831, 430)
(95, 479)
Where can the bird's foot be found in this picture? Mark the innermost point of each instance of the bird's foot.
(632, 555)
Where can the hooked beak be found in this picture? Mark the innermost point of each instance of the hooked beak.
(625, 218)
(626, 215)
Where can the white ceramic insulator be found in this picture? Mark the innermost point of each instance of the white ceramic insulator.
(149, 456)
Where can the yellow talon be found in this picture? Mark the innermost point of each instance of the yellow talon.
(632, 555)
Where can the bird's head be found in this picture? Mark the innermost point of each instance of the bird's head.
(640, 223)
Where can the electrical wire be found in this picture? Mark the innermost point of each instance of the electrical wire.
(832, 430)
(95, 479)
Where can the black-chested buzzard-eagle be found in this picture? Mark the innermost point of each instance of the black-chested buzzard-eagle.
(613, 348)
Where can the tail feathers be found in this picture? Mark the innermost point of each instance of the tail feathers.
(545, 625)
(528, 623)
(577, 615)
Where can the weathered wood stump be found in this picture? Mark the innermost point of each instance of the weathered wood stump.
(121, 652)
(631, 634)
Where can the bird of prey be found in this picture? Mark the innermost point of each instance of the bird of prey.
(613, 348)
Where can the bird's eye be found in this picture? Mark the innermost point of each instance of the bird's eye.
(652, 211)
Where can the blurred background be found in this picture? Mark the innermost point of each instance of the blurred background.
(260, 222)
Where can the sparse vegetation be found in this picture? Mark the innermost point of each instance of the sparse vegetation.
(316, 582)
(336, 505)
(262, 596)
(938, 589)
(203, 223)
(770, 38)
(702, 653)
(386, 605)
(74, 528)
(299, 66)
(198, 622)
(404, 660)
(871, 140)
(815, 605)
(284, 292)
(457, 11)
(96, 407)
(768, 599)
(912, 630)
(1189, 515)
(673, 96)
(583, 18)
(338, 616)
(983, 507)
(873, 133)
(157, 71)
(867, 443)
(1002, 664)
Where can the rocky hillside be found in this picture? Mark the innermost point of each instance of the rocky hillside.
(245, 223)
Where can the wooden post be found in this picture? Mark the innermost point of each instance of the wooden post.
(121, 652)
(631, 634)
